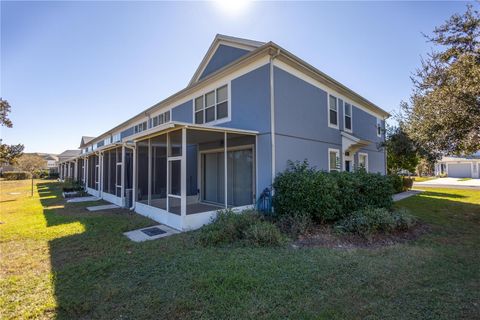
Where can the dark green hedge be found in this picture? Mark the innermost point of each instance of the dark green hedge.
(328, 197)
(16, 175)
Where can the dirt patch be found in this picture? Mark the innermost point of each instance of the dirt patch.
(325, 236)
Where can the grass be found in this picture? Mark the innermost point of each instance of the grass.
(464, 179)
(422, 179)
(59, 261)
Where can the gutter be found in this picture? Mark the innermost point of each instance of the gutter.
(272, 109)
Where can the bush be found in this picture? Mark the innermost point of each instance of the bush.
(40, 174)
(263, 233)
(397, 183)
(16, 175)
(369, 221)
(247, 227)
(328, 197)
(294, 225)
(407, 183)
(71, 186)
(53, 175)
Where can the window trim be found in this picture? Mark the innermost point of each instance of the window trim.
(203, 94)
(345, 116)
(337, 152)
(366, 159)
(328, 111)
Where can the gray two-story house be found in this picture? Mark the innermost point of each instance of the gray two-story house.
(248, 109)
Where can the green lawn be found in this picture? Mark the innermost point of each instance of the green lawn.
(422, 179)
(59, 261)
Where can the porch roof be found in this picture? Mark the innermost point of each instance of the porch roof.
(351, 143)
(173, 125)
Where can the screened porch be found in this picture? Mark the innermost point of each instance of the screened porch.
(183, 176)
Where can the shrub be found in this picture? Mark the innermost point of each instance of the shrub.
(396, 182)
(16, 175)
(407, 183)
(263, 233)
(71, 186)
(328, 197)
(227, 227)
(53, 175)
(303, 190)
(40, 174)
(294, 225)
(371, 220)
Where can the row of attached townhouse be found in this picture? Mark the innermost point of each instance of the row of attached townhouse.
(249, 108)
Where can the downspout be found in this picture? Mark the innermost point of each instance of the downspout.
(134, 176)
(272, 110)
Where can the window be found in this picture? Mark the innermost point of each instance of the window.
(161, 119)
(379, 127)
(333, 160)
(212, 106)
(332, 112)
(107, 141)
(348, 117)
(116, 137)
(140, 127)
(363, 161)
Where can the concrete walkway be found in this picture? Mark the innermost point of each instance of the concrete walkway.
(452, 183)
(405, 195)
(83, 199)
(103, 207)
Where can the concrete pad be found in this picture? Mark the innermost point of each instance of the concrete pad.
(405, 195)
(83, 199)
(103, 207)
(139, 236)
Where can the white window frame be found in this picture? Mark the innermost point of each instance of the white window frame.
(229, 105)
(378, 128)
(116, 137)
(361, 154)
(163, 115)
(140, 127)
(338, 160)
(328, 113)
(345, 116)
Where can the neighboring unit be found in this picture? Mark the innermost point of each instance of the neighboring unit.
(459, 167)
(249, 108)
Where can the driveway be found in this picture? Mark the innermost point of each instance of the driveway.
(450, 183)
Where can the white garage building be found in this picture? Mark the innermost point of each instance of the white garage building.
(459, 167)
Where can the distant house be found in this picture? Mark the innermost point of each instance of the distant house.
(248, 109)
(51, 162)
(459, 166)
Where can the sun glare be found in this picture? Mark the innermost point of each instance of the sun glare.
(233, 7)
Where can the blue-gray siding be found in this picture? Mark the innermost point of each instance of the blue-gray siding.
(223, 56)
(183, 112)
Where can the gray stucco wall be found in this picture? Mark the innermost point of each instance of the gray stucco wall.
(223, 56)
(183, 112)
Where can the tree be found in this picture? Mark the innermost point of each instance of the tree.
(8, 153)
(402, 153)
(31, 163)
(444, 111)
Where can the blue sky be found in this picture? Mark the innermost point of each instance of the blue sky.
(79, 68)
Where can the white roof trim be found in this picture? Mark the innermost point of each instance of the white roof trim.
(240, 43)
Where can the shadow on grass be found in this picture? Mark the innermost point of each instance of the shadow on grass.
(427, 193)
(90, 248)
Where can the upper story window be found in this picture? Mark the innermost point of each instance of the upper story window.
(347, 117)
(140, 127)
(116, 137)
(107, 141)
(333, 160)
(212, 106)
(161, 119)
(332, 111)
(379, 127)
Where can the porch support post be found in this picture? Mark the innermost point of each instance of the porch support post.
(134, 175)
(100, 173)
(122, 188)
(149, 171)
(86, 172)
(75, 174)
(183, 176)
(225, 167)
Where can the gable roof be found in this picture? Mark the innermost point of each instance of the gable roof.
(263, 49)
(85, 140)
(245, 45)
(69, 153)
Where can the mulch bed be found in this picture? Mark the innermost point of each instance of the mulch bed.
(325, 236)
